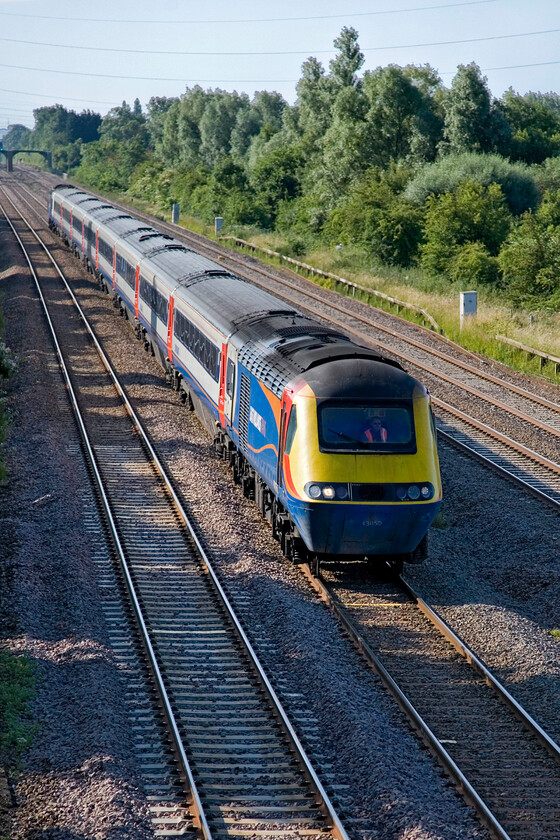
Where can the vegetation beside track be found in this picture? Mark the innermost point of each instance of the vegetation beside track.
(538, 329)
(17, 689)
(386, 177)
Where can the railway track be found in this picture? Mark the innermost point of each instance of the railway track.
(502, 761)
(244, 770)
(496, 775)
(513, 431)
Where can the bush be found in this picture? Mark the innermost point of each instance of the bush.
(530, 263)
(471, 214)
(473, 265)
(547, 175)
(445, 175)
(17, 689)
(373, 215)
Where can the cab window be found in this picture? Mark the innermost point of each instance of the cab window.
(366, 427)
(291, 430)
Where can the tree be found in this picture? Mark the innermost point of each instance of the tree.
(472, 123)
(446, 174)
(313, 102)
(535, 127)
(344, 66)
(530, 263)
(373, 215)
(394, 102)
(275, 177)
(217, 123)
(18, 137)
(157, 108)
(123, 123)
(262, 119)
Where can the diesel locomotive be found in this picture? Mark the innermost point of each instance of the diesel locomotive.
(336, 444)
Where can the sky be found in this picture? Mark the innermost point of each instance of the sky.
(95, 55)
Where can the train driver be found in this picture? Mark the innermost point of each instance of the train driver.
(375, 430)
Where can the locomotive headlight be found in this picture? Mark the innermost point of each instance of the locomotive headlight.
(413, 492)
(328, 492)
(314, 491)
(401, 493)
(426, 492)
(342, 491)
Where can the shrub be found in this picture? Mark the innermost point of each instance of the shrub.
(473, 265)
(17, 688)
(471, 214)
(530, 263)
(445, 175)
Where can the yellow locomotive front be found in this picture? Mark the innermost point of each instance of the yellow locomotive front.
(360, 470)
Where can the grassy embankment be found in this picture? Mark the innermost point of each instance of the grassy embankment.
(540, 330)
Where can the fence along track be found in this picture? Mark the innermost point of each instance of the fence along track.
(252, 775)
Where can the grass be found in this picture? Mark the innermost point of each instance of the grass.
(540, 330)
(555, 633)
(17, 689)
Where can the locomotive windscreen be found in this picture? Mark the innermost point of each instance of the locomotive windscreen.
(362, 427)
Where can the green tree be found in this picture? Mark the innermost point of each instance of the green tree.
(217, 123)
(472, 123)
(473, 264)
(123, 124)
(18, 137)
(313, 103)
(345, 65)
(275, 177)
(379, 219)
(109, 164)
(530, 263)
(394, 101)
(535, 127)
(157, 108)
(444, 175)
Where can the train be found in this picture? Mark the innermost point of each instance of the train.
(334, 443)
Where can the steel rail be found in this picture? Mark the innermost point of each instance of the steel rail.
(192, 792)
(326, 806)
(464, 787)
(449, 634)
(530, 454)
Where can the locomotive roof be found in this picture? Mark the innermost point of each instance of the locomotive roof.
(362, 379)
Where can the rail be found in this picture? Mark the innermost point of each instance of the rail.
(322, 799)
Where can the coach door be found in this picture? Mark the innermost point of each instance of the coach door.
(228, 369)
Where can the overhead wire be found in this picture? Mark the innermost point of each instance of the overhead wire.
(88, 48)
(253, 20)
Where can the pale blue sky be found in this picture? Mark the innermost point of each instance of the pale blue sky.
(246, 45)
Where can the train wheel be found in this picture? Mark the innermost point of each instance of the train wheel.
(315, 565)
(394, 565)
